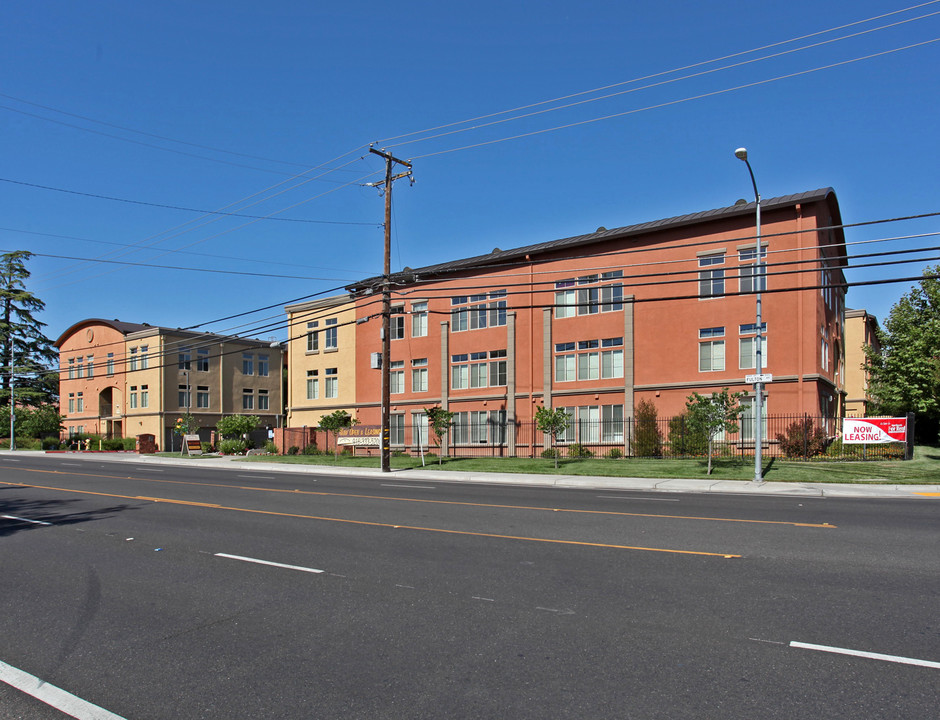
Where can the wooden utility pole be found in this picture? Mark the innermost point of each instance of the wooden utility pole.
(387, 298)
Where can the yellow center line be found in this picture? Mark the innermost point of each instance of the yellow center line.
(379, 524)
(825, 526)
(927, 494)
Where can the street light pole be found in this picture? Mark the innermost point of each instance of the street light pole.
(12, 411)
(741, 154)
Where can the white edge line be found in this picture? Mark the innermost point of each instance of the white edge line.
(421, 487)
(268, 562)
(25, 520)
(627, 497)
(257, 477)
(862, 653)
(51, 695)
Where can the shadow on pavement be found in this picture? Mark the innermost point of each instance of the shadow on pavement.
(16, 513)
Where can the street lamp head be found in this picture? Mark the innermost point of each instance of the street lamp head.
(741, 154)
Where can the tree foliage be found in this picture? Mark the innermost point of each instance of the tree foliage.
(334, 422)
(648, 439)
(440, 422)
(21, 336)
(905, 375)
(237, 426)
(803, 438)
(552, 422)
(714, 414)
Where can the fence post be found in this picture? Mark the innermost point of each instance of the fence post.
(909, 450)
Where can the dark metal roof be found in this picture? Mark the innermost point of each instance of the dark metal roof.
(125, 328)
(429, 272)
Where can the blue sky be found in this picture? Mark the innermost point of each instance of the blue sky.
(221, 106)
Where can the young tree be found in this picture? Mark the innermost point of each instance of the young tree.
(905, 375)
(715, 414)
(186, 424)
(439, 421)
(648, 441)
(334, 422)
(552, 422)
(236, 426)
(21, 335)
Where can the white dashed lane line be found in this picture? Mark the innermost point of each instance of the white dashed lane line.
(51, 695)
(25, 520)
(268, 562)
(863, 654)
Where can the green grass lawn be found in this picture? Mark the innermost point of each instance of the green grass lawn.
(923, 469)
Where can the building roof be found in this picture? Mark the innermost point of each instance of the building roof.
(501, 256)
(125, 328)
(128, 328)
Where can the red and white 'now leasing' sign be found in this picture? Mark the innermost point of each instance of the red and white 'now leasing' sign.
(874, 430)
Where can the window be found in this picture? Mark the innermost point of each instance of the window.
(202, 359)
(332, 383)
(248, 399)
(564, 364)
(144, 396)
(498, 375)
(587, 363)
(588, 419)
(397, 323)
(480, 311)
(711, 281)
(313, 337)
(313, 385)
(459, 372)
(81, 367)
(747, 346)
(263, 365)
(144, 362)
(589, 300)
(612, 364)
(419, 319)
(80, 403)
(185, 359)
(478, 375)
(185, 400)
(71, 368)
(823, 352)
(747, 418)
(71, 402)
(330, 334)
(419, 375)
(132, 363)
(396, 377)
(248, 364)
(396, 429)
(91, 366)
(109, 364)
(588, 367)
(612, 423)
(480, 427)
(419, 428)
(564, 299)
(478, 370)
(752, 277)
(132, 399)
(202, 396)
(711, 353)
(264, 402)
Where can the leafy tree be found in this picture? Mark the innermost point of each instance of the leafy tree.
(552, 422)
(21, 335)
(905, 375)
(684, 440)
(714, 414)
(648, 441)
(440, 422)
(237, 426)
(334, 422)
(186, 424)
(40, 421)
(803, 438)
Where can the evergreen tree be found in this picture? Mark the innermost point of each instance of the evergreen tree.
(21, 336)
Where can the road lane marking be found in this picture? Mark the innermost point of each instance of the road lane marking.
(51, 695)
(627, 497)
(369, 523)
(152, 470)
(825, 526)
(863, 654)
(928, 494)
(257, 477)
(25, 520)
(410, 487)
(268, 562)
(477, 597)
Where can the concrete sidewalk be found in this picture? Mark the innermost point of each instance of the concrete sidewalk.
(429, 474)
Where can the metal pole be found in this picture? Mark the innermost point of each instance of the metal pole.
(741, 154)
(12, 414)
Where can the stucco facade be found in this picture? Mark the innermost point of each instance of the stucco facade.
(861, 330)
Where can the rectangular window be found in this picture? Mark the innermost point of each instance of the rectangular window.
(313, 337)
(81, 367)
(612, 364)
(419, 375)
(144, 362)
(564, 303)
(711, 279)
(264, 365)
(396, 429)
(248, 399)
(589, 424)
(460, 376)
(202, 397)
(132, 363)
(202, 359)
(752, 277)
(331, 337)
(747, 347)
(419, 429)
(419, 319)
(747, 418)
(109, 364)
(564, 368)
(396, 377)
(264, 402)
(313, 385)
(144, 396)
(711, 356)
(71, 402)
(184, 397)
(478, 376)
(498, 375)
(332, 383)
(248, 364)
(185, 359)
(479, 313)
(588, 367)
(612, 423)
(396, 323)
(91, 366)
(132, 399)
(71, 368)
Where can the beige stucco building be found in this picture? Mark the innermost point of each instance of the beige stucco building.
(861, 330)
(121, 379)
(322, 351)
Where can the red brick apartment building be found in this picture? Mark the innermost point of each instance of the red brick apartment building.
(598, 322)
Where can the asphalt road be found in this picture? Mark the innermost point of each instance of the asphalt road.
(141, 593)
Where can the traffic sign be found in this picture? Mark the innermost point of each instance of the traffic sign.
(754, 379)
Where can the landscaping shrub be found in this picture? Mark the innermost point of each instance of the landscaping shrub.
(550, 453)
(577, 450)
(648, 441)
(232, 446)
(614, 454)
(802, 439)
(684, 440)
(312, 449)
(112, 444)
(293, 450)
(270, 447)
